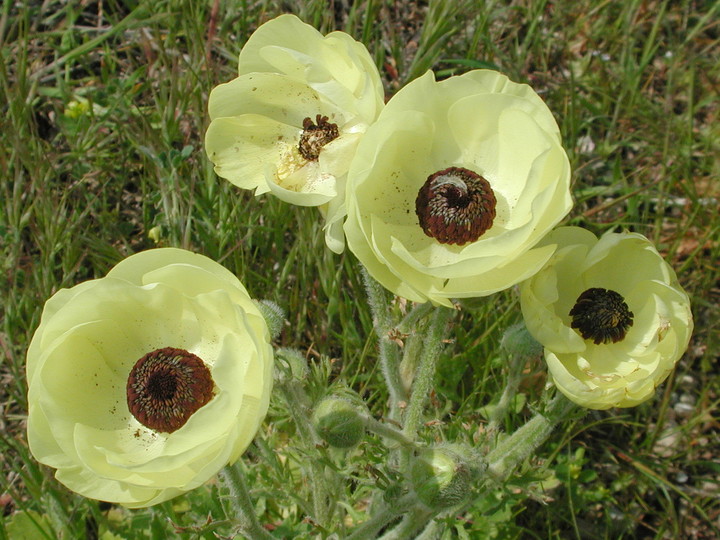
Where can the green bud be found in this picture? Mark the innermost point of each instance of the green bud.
(290, 365)
(517, 341)
(155, 234)
(274, 316)
(77, 108)
(441, 476)
(338, 422)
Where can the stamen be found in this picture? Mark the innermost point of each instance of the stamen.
(601, 315)
(166, 387)
(455, 206)
(315, 136)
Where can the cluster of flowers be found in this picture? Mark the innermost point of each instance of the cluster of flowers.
(451, 190)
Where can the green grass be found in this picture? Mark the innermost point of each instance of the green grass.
(634, 88)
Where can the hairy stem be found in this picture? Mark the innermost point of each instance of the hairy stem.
(379, 301)
(318, 483)
(516, 364)
(426, 370)
(411, 523)
(242, 504)
(386, 431)
(410, 321)
(369, 529)
(522, 443)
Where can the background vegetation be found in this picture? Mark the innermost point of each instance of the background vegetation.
(102, 122)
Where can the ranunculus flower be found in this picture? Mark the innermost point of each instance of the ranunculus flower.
(611, 316)
(145, 383)
(453, 186)
(291, 121)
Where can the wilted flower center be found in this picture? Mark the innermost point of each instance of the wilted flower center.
(601, 315)
(455, 206)
(165, 388)
(315, 136)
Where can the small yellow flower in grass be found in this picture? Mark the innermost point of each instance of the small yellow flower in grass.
(454, 185)
(290, 123)
(145, 383)
(611, 316)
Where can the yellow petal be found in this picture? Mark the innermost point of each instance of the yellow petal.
(243, 148)
(481, 122)
(613, 374)
(88, 342)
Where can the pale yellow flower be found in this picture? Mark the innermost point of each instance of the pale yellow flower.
(453, 186)
(145, 383)
(290, 123)
(611, 315)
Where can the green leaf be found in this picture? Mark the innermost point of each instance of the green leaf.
(29, 525)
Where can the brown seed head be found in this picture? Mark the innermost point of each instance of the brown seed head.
(166, 387)
(455, 206)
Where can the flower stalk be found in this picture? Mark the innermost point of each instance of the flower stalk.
(242, 504)
(386, 431)
(516, 364)
(369, 529)
(412, 522)
(413, 317)
(516, 448)
(308, 437)
(379, 301)
(426, 370)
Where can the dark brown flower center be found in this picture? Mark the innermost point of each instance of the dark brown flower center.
(315, 136)
(165, 388)
(601, 315)
(455, 206)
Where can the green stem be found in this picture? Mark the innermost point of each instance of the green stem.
(379, 301)
(300, 413)
(242, 504)
(413, 521)
(411, 352)
(308, 437)
(409, 322)
(426, 370)
(386, 431)
(369, 529)
(431, 532)
(513, 380)
(516, 448)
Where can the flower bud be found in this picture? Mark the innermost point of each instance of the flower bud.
(274, 316)
(155, 234)
(517, 341)
(338, 422)
(290, 365)
(441, 476)
(77, 108)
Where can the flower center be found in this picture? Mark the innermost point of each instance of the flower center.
(455, 206)
(315, 136)
(165, 388)
(601, 315)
